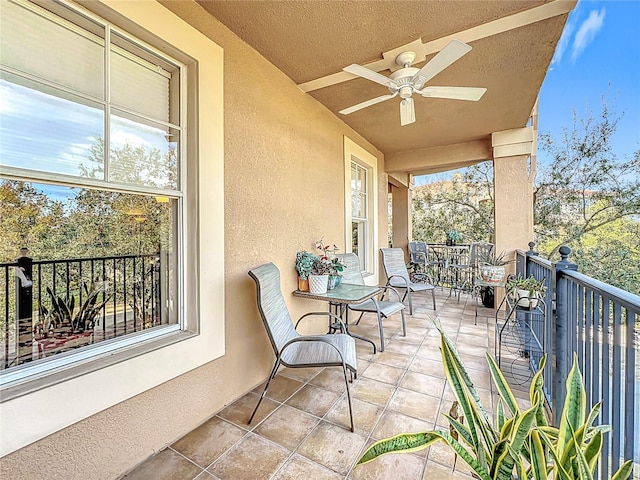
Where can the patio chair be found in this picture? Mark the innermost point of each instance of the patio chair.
(468, 271)
(382, 308)
(398, 276)
(292, 349)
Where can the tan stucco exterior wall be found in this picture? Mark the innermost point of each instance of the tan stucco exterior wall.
(283, 189)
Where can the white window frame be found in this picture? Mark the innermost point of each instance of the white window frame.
(354, 153)
(135, 367)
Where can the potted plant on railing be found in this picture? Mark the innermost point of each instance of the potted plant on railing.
(304, 267)
(526, 291)
(453, 237)
(492, 268)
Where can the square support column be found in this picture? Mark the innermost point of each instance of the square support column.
(513, 213)
(401, 216)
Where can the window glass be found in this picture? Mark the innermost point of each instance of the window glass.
(94, 265)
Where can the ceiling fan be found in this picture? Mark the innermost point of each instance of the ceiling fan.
(409, 80)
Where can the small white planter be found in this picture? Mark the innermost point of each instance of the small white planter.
(527, 301)
(318, 283)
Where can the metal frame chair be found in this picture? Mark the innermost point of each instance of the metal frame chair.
(292, 349)
(382, 308)
(398, 275)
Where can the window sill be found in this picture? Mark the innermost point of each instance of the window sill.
(33, 384)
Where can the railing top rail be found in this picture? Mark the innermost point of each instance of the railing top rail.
(624, 298)
(537, 259)
(86, 259)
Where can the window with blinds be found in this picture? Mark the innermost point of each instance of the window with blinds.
(91, 178)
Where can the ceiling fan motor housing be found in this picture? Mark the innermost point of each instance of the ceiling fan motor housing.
(403, 79)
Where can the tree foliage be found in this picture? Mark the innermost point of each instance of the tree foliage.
(585, 198)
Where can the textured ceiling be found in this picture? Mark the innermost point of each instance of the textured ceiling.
(312, 39)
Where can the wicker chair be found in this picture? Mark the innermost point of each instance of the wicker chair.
(382, 308)
(398, 276)
(292, 349)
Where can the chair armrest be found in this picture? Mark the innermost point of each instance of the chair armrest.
(420, 257)
(400, 277)
(336, 318)
(311, 338)
(387, 288)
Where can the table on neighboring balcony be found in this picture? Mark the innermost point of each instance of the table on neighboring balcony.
(339, 298)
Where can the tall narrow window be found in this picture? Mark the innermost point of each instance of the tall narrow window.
(359, 213)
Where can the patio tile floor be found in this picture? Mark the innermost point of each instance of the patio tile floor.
(300, 430)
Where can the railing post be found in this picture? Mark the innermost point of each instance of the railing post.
(24, 305)
(562, 340)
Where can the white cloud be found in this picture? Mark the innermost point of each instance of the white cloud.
(587, 32)
(563, 43)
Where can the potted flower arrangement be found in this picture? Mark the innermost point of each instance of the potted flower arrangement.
(337, 266)
(304, 267)
(319, 277)
(526, 291)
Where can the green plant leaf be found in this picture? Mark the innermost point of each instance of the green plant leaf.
(402, 443)
(538, 457)
(498, 450)
(592, 451)
(501, 385)
(536, 392)
(561, 471)
(462, 430)
(500, 419)
(624, 472)
(573, 411)
(506, 428)
(465, 456)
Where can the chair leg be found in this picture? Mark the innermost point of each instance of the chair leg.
(346, 382)
(410, 303)
(404, 325)
(271, 377)
(433, 295)
(359, 318)
(381, 333)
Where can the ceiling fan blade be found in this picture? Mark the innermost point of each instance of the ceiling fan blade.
(448, 55)
(364, 72)
(367, 103)
(455, 93)
(407, 112)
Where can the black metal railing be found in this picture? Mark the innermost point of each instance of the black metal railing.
(52, 306)
(601, 325)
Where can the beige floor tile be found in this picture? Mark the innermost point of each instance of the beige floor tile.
(298, 467)
(254, 458)
(206, 476)
(435, 471)
(166, 465)
(384, 373)
(239, 411)
(300, 374)
(365, 415)
(314, 400)
(332, 378)
(400, 360)
(207, 442)
(372, 391)
(395, 345)
(414, 404)
(390, 466)
(332, 446)
(394, 423)
(287, 426)
(427, 366)
(280, 388)
(427, 384)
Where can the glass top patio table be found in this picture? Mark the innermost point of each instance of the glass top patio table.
(345, 293)
(341, 296)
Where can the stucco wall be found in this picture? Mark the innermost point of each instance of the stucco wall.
(283, 189)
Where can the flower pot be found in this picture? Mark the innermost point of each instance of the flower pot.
(318, 283)
(526, 300)
(492, 273)
(334, 281)
(303, 285)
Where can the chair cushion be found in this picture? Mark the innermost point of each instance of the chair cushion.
(310, 353)
(387, 307)
(415, 287)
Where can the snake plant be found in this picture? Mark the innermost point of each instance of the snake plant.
(519, 442)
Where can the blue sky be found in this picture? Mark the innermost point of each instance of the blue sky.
(597, 56)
